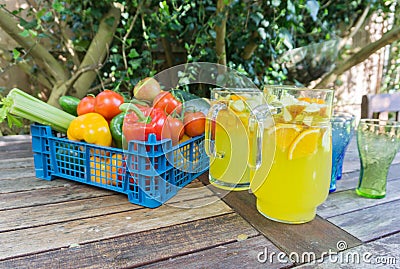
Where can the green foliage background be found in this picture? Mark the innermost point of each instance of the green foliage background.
(273, 27)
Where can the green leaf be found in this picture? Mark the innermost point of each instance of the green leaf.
(135, 64)
(286, 38)
(11, 120)
(133, 53)
(16, 54)
(24, 33)
(7, 103)
(262, 33)
(58, 6)
(276, 3)
(313, 8)
(291, 7)
(33, 33)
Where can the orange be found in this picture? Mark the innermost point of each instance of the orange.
(304, 145)
(312, 100)
(98, 170)
(285, 134)
(235, 97)
(115, 169)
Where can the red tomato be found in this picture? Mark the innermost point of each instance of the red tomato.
(195, 123)
(107, 104)
(86, 105)
(176, 129)
(167, 102)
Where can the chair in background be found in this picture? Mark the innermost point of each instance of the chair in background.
(378, 106)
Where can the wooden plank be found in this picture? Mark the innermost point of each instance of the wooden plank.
(29, 217)
(352, 160)
(253, 253)
(381, 253)
(31, 183)
(17, 173)
(14, 139)
(15, 145)
(299, 238)
(65, 234)
(371, 223)
(141, 248)
(350, 180)
(348, 201)
(48, 196)
(17, 163)
(15, 154)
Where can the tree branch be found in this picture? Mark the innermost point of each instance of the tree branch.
(39, 53)
(70, 82)
(95, 55)
(26, 67)
(129, 32)
(221, 33)
(168, 51)
(68, 43)
(251, 46)
(362, 55)
(356, 28)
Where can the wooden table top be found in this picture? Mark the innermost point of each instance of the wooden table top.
(64, 224)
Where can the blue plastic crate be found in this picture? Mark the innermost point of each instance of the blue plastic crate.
(148, 172)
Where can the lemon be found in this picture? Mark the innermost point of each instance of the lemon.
(326, 141)
(238, 105)
(304, 145)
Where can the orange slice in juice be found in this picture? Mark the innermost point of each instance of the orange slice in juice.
(304, 145)
(285, 135)
(312, 100)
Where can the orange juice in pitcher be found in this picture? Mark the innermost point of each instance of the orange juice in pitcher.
(227, 136)
(292, 175)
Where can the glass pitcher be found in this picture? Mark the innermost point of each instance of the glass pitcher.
(292, 158)
(227, 136)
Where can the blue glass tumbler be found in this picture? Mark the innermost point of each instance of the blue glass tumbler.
(343, 126)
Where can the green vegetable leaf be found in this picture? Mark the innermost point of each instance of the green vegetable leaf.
(6, 105)
(11, 120)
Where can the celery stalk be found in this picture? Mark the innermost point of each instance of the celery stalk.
(21, 104)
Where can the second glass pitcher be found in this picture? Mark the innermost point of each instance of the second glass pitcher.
(227, 136)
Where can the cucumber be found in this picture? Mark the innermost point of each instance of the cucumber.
(191, 102)
(69, 104)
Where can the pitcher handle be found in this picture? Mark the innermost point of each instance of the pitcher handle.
(211, 130)
(258, 116)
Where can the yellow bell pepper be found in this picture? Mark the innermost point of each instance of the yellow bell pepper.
(92, 128)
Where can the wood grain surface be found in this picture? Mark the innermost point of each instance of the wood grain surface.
(65, 224)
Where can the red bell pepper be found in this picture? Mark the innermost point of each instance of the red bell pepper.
(143, 121)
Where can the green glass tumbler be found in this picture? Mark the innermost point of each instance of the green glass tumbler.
(378, 142)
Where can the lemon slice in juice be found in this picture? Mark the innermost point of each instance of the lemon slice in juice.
(304, 145)
(326, 142)
(237, 105)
